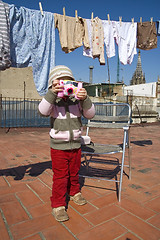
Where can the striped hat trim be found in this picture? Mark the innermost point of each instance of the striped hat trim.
(59, 71)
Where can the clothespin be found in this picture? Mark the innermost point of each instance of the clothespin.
(120, 20)
(151, 20)
(141, 20)
(133, 21)
(76, 14)
(92, 16)
(41, 9)
(64, 12)
(108, 18)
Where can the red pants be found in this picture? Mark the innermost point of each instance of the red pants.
(65, 166)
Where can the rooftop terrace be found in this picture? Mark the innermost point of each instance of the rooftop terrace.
(26, 182)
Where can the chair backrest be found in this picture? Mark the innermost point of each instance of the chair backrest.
(110, 115)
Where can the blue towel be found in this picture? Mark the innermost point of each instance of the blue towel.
(158, 28)
(32, 40)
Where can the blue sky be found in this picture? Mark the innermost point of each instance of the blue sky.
(115, 8)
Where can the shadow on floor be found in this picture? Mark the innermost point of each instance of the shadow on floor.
(97, 169)
(142, 143)
(33, 170)
(37, 169)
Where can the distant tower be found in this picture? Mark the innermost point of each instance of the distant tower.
(138, 76)
(91, 74)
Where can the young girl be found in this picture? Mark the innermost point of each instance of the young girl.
(65, 139)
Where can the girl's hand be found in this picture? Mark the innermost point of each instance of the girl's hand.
(82, 94)
(56, 87)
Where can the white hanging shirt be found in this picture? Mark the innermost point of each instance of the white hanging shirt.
(109, 38)
(125, 34)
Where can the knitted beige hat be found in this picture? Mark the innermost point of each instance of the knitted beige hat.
(57, 72)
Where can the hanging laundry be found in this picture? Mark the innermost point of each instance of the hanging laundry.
(32, 39)
(4, 36)
(96, 37)
(109, 38)
(73, 32)
(88, 51)
(98, 40)
(158, 28)
(146, 35)
(125, 34)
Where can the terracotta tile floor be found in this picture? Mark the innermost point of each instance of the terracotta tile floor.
(26, 182)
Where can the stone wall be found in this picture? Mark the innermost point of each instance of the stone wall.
(17, 83)
(144, 109)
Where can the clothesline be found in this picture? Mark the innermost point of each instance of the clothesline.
(140, 35)
(108, 16)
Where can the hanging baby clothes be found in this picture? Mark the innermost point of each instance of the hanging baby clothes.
(4, 36)
(109, 38)
(96, 37)
(73, 32)
(146, 35)
(32, 39)
(125, 35)
(88, 51)
(98, 40)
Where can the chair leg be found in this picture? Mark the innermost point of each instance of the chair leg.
(129, 159)
(129, 153)
(122, 166)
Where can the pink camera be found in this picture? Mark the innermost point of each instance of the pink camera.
(71, 88)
